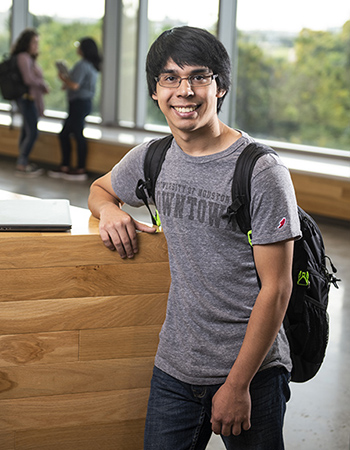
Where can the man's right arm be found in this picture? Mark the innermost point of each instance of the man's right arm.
(117, 228)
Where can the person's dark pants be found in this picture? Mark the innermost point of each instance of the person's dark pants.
(178, 415)
(29, 131)
(74, 125)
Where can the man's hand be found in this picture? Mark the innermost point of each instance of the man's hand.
(230, 410)
(118, 231)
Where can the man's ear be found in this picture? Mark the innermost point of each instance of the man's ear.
(220, 93)
(155, 96)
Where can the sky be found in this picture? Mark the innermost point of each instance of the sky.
(280, 15)
(292, 15)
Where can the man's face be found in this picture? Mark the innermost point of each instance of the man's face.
(187, 108)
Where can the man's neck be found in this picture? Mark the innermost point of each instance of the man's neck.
(206, 142)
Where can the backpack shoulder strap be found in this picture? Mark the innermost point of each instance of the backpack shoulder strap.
(153, 162)
(241, 185)
(152, 166)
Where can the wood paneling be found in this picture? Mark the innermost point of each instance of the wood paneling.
(79, 330)
(102, 156)
(324, 196)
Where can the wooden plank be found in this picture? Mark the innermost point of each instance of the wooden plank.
(75, 377)
(324, 196)
(112, 343)
(81, 313)
(7, 441)
(84, 281)
(126, 435)
(73, 410)
(18, 251)
(41, 348)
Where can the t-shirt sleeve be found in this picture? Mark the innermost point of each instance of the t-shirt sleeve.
(126, 174)
(274, 211)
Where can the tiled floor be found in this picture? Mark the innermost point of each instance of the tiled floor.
(318, 415)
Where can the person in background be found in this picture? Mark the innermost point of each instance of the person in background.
(80, 83)
(31, 104)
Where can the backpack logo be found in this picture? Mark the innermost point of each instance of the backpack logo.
(303, 279)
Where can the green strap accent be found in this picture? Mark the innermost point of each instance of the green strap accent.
(303, 279)
(157, 219)
(249, 234)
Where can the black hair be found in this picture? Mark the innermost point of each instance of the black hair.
(90, 52)
(189, 46)
(23, 41)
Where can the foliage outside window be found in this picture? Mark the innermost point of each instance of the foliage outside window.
(5, 28)
(57, 36)
(295, 86)
(292, 85)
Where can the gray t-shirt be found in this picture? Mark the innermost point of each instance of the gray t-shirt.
(85, 74)
(213, 279)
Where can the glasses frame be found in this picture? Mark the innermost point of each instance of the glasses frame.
(189, 79)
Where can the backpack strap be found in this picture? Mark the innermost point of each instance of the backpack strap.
(241, 186)
(154, 159)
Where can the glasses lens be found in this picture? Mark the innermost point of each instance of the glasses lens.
(200, 80)
(169, 81)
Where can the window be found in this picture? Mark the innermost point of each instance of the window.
(294, 71)
(5, 38)
(60, 24)
(5, 27)
(291, 61)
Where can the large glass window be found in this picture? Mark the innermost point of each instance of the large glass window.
(294, 71)
(60, 25)
(292, 60)
(5, 36)
(165, 14)
(5, 27)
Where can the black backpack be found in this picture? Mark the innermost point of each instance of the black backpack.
(11, 82)
(306, 320)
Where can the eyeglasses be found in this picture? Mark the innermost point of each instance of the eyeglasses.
(197, 80)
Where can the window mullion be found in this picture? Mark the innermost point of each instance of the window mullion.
(142, 49)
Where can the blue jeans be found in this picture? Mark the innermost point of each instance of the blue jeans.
(74, 125)
(29, 131)
(178, 415)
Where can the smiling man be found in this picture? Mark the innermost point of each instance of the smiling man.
(223, 361)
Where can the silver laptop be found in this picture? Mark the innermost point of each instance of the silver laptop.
(35, 215)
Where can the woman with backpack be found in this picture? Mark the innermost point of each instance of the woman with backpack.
(31, 104)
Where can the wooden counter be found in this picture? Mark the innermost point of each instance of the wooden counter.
(78, 334)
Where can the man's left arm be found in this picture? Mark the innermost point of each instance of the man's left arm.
(231, 405)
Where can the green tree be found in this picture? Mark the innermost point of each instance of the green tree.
(322, 88)
(303, 99)
(254, 94)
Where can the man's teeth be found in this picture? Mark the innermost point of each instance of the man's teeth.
(185, 109)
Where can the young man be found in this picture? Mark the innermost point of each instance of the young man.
(223, 361)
